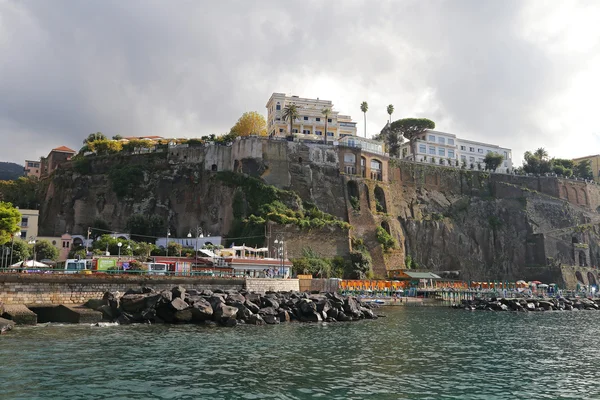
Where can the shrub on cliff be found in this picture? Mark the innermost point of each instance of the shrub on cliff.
(385, 239)
(125, 179)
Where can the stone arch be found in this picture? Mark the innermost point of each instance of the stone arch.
(353, 189)
(386, 226)
(574, 240)
(579, 277)
(583, 197)
(565, 193)
(376, 169)
(582, 259)
(380, 204)
(299, 160)
(77, 242)
(591, 279)
(214, 167)
(363, 166)
(574, 196)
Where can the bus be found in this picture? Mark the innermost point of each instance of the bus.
(74, 266)
(156, 268)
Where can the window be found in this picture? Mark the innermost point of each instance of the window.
(24, 221)
(329, 133)
(471, 159)
(441, 140)
(506, 155)
(431, 138)
(280, 130)
(349, 158)
(277, 119)
(451, 153)
(472, 149)
(441, 152)
(278, 107)
(463, 147)
(306, 131)
(319, 133)
(329, 120)
(432, 150)
(451, 141)
(318, 119)
(306, 118)
(480, 151)
(294, 130)
(23, 234)
(30, 164)
(463, 158)
(375, 165)
(505, 164)
(422, 148)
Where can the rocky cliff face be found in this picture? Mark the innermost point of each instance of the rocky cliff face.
(488, 227)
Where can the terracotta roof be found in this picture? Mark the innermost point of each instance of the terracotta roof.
(64, 149)
(142, 137)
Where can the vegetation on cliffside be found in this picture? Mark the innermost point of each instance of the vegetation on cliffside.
(255, 203)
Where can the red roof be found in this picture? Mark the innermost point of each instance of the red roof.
(64, 149)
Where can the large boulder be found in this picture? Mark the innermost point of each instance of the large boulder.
(267, 311)
(170, 312)
(6, 325)
(234, 297)
(112, 300)
(313, 316)
(271, 319)
(283, 316)
(269, 302)
(253, 297)
(201, 310)
(252, 306)
(178, 291)
(133, 302)
(215, 301)
(256, 319)
(351, 307)
(223, 312)
(323, 305)
(94, 304)
(307, 307)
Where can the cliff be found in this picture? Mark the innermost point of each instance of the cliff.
(486, 226)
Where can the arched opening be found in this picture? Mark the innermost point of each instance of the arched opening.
(376, 170)
(213, 167)
(583, 197)
(574, 197)
(380, 204)
(579, 277)
(363, 167)
(386, 226)
(591, 279)
(300, 160)
(353, 195)
(350, 164)
(582, 260)
(77, 242)
(574, 240)
(367, 194)
(565, 193)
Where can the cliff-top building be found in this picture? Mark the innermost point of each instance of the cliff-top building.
(33, 168)
(311, 123)
(56, 157)
(594, 164)
(446, 149)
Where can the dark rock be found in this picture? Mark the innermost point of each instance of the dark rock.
(218, 291)
(312, 317)
(324, 305)
(267, 311)
(183, 315)
(351, 307)
(271, 319)
(230, 322)
(107, 312)
(6, 325)
(256, 319)
(253, 297)
(94, 304)
(146, 290)
(283, 316)
(201, 310)
(215, 301)
(368, 313)
(178, 291)
(206, 292)
(332, 313)
(112, 300)
(133, 302)
(244, 313)
(133, 291)
(222, 312)
(307, 307)
(252, 306)
(343, 317)
(234, 298)
(269, 302)
(209, 322)
(124, 319)
(192, 292)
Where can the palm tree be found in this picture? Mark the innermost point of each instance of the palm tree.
(541, 153)
(364, 107)
(390, 110)
(290, 113)
(326, 113)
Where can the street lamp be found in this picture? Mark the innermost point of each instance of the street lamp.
(32, 241)
(119, 246)
(279, 245)
(167, 244)
(199, 234)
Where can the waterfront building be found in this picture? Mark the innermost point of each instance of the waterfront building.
(310, 123)
(56, 157)
(363, 157)
(444, 148)
(594, 164)
(33, 168)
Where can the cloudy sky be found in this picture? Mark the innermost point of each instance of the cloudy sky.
(521, 74)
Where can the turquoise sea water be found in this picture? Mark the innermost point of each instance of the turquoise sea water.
(414, 353)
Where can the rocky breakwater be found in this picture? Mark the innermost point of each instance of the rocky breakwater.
(228, 308)
(5, 324)
(529, 304)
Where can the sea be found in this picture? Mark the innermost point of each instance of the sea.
(410, 353)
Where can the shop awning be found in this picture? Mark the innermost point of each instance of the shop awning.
(422, 275)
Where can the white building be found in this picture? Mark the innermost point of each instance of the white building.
(446, 149)
(311, 123)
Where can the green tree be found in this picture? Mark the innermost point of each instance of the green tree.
(537, 162)
(250, 123)
(99, 227)
(117, 137)
(364, 107)
(20, 251)
(390, 111)
(105, 147)
(541, 153)
(92, 137)
(44, 250)
(22, 192)
(392, 138)
(138, 144)
(583, 170)
(493, 161)
(175, 248)
(290, 113)
(78, 252)
(10, 217)
(411, 129)
(142, 249)
(326, 113)
(111, 243)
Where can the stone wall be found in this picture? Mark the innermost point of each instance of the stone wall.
(571, 275)
(262, 285)
(327, 242)
(77, 289)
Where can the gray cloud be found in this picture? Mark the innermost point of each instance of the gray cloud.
(191, 68)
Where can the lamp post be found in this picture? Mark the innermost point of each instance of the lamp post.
(12, 246)
(87, 243)
(199, 234)
(167, 244)
(119, 246)
(32, 241)
(279, 245)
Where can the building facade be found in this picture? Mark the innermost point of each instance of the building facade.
(443, 148)
(594, 164)
(56, 157)
(33, 168)
(311, 123)
(363, 157)
(29, 223)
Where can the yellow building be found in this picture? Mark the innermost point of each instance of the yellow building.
(310, 123)
(29, 223)
(33, 168)
(594, 164)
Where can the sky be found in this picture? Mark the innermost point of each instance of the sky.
(519, 74)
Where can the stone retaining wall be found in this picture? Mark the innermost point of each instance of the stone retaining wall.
(262, 285)
(77, 289)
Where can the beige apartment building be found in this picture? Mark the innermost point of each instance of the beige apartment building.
(29, 223)
(311, 123)
(594, 164)
(33, 168)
